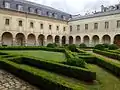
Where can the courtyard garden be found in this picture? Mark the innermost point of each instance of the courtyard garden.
(63, 68)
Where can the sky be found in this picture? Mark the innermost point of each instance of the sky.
(75, 7)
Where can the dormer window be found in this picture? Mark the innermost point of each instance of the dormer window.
(38, 11)
(49, 14)
(6, 4)
(20, 7)
(54, 15)
(31, 10)
(63, 17)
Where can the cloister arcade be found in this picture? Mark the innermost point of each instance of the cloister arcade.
(20, 39)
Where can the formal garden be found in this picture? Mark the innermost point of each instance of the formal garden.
(69, 67)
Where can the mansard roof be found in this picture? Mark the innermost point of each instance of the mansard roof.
(44, 9)
(105, 11)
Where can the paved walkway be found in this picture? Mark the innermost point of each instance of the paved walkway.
(10, 82)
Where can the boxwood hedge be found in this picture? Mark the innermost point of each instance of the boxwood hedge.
(44, 79)
(71, 71)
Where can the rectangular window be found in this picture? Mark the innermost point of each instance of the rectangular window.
(41, 26)
(20, 23)
(118, 24)
(106, 25)
(95, 25)
(64, 29)
(57, 27)
(50, 27)
(31, 25)
(7, 21)
(70, 28)
(31, 10)
(20, 7)
(6, 4)
(78, 27)
(86, 26)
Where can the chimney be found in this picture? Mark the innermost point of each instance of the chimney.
(102, 8)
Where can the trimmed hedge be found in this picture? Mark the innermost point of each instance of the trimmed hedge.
(73, 59)
(107, 54)
(32, 48)
(113, 67)
(75, 72)
(44, 79)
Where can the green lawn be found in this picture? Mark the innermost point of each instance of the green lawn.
(105, 79)
(47, 55)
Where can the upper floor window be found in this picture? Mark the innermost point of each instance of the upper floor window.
(95, 25)
(6, 4)
(54, 15)
(38, 11)
(70, 28)
(78, 27)
(118, 24)
(106, 25)
(57, 27)
(20, 23)
(41, 26)
(31, 10)
(50, 27)
(7, 21)
(20, 7)
(31, 25)
(64, 28)
(63, 17)
(49, 14)
(86, 26)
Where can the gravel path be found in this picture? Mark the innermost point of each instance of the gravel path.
(10, 82)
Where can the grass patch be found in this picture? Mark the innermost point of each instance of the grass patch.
(46, 55)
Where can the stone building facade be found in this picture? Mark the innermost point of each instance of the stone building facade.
(27, 23)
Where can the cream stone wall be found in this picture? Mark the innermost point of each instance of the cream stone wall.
(25, 30)
(112, 31)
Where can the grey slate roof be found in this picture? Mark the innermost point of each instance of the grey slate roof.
(99, 14)
(27, 4)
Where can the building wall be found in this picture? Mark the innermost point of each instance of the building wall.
(112, 31)
(14, 28)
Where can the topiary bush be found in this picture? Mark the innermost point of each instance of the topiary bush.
(99, 47)
(52, 45)
(113, 47)
(106, 45)
(82, 45)
(72, 47)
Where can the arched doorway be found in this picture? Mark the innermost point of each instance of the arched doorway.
(70, 40)
(117, 40)
(95, 40)
(31, 40)
(41, 39)
(86, 40)
(57, 39)
(63, 40)
(20, 39)
(106, 39)
(7, 39)
(49, 39)
(78, 40)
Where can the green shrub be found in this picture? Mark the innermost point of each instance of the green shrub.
(106, 45)
(39, 77)
(82, 45)
(72, 47)
(52, 45)
(73, 59)
(113, 47)
(99, 47)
